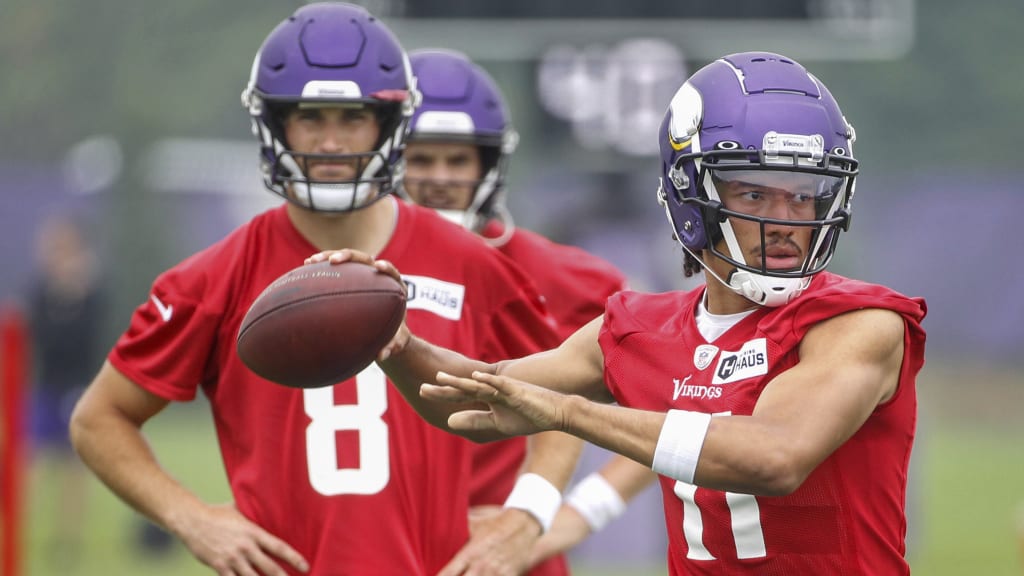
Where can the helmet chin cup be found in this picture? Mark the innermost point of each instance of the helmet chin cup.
(475, 222)
(342, 196)
(766, 290)
(453, 216)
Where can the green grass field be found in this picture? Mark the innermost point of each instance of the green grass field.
(967, 487)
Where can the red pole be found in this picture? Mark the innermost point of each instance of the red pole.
(13, 374)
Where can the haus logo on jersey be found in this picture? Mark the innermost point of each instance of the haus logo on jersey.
(703, 355)
(749, 361)
(437, 296)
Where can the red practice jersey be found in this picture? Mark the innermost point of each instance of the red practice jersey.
(575, 283)
(848, 516)
(349, 475)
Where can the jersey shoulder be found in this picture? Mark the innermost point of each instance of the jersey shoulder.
(570, 261)
(421, 232)
(630, 312)
(425, 241)
(831, 295)
(841, 294)
(223, 263)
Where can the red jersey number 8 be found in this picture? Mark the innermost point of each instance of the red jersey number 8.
(366, 417)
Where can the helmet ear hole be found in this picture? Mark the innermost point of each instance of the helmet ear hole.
(276, 115)
(389, 118)
(489, 157)
(690, 230)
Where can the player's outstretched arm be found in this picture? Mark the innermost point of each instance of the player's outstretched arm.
(573, 370)
(517, 407)
(106, 431)
(848, 366)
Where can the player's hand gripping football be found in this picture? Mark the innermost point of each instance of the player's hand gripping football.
(402, 336)
(515, 407)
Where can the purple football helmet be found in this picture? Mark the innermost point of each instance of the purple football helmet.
(330, 53)
(462, 103)
(748, 118)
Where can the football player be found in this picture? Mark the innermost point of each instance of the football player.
(345, 479)
(777, 402)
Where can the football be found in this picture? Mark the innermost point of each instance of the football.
(320, 324)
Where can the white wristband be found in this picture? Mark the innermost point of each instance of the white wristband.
(679, 444)
(597, 501)
(534, 494)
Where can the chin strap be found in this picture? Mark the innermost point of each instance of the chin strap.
(766, 290)
(475, 223)
(342, 196)
(453, 216)
(508, 226)
(761, 290)
(332, 196)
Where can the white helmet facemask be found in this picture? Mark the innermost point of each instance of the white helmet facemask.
(757, 283)
(332, 196)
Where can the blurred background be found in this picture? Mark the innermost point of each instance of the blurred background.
(125, 149)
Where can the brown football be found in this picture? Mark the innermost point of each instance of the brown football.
(320, 324)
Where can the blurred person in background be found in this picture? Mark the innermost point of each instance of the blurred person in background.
(67, 308)
(777, 402)
(345, 479)
(461, 140)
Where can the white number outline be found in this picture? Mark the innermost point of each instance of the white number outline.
(366, 418)
(744, 513)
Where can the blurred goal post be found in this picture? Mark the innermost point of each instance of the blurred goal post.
(13, 385)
